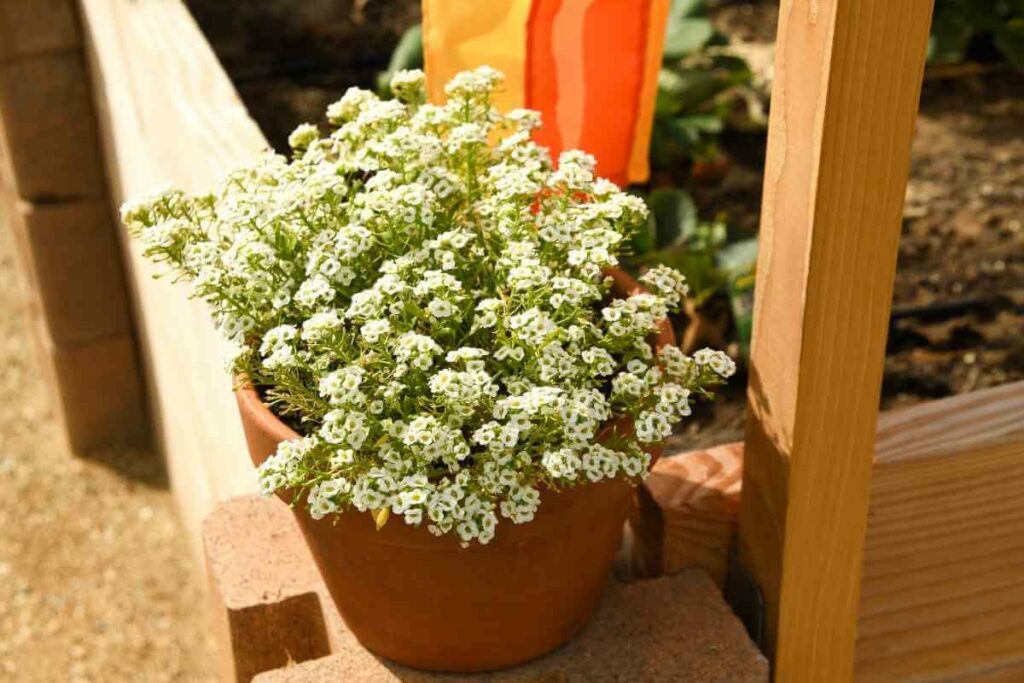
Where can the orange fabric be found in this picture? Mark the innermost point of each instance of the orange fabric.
(542, 86)
(614, 55)
(589, 66)
(638, 169)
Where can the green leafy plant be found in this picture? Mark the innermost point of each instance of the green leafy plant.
(956, 23)
(408, 54)
(702, 88)
(717, 264)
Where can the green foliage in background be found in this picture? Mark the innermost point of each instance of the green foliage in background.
(956, 23)
(408, 54)
(702, 88)
(717, 262)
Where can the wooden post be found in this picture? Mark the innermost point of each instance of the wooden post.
(848, 76)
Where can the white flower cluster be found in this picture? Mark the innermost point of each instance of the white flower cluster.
(424, 297)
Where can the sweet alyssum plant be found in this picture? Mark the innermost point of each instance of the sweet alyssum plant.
(423, 297)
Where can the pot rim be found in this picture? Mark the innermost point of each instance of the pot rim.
(249, 399)
(260, 412)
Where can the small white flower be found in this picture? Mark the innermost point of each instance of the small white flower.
(719, 362)
(439, 308)
(408, 85)
(373, 330)
(303, 136)
(424, 294)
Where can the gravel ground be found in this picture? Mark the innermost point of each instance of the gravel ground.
(96, 579)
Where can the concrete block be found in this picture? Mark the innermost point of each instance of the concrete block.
(263, 581)
(31, 27)
(74, 264)
(675, 628)
(50, 129)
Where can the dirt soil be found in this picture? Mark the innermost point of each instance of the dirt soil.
(959, 296)
(97, 582)
(958, 307)
(289, 59)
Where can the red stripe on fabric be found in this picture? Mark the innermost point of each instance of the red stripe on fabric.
(541, 73)
(614, 61)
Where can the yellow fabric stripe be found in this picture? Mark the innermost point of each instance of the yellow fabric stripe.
(460, 35)
(638, 169)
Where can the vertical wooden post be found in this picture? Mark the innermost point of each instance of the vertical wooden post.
(844, 102)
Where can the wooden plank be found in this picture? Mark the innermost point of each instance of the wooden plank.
(848, 76)
(943, 580)
(169, 114)
(943, 588)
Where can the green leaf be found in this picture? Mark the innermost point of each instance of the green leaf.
(685, 136)
(669, 100)
(1010, 41)
(732, 68)
(688, 89)
(739, 258)
(702, 123)
(686, 36)
(646, 238)
(698, 267)
(408, 54)
(675, 215)
(661, 150)
(688, 8)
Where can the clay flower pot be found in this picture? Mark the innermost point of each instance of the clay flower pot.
(424, 601)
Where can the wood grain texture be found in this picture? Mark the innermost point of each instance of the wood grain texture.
(844, 102)
(942, 595)
(943, 590)
(169, 115)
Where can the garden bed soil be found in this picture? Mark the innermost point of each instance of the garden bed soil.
(958, 306)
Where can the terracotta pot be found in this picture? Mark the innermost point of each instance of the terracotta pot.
(426, 602)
